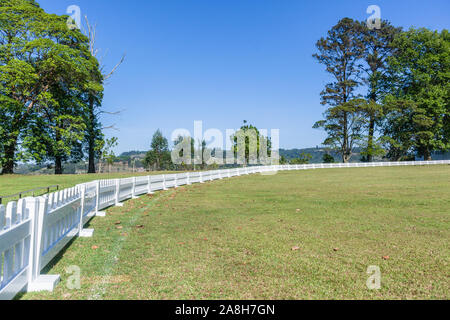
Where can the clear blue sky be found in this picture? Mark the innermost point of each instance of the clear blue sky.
(223, 61)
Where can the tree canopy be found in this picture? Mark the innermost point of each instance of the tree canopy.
(45, 70)
(390, 92)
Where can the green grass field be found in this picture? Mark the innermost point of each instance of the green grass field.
(234, 239)
(12, 184)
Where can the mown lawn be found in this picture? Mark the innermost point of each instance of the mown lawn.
(234, 239)
(12, 184)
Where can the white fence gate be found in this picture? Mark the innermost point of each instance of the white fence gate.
(34, 230)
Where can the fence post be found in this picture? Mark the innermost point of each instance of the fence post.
(201, 177)
(149, 185)
(133, 190)
(98, 213)
(118, 204)
(83, 194)
(32, 205)
(37, 282)
(83, 233)
(97, 197)
(164, 182)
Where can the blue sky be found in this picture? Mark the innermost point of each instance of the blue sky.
(223, 61)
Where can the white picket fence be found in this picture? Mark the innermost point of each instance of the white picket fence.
(34, 230)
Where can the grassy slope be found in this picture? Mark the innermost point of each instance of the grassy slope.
(233, 239)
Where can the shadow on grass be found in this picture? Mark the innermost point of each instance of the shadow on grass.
(53, 262)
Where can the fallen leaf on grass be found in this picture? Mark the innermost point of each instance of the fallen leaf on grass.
(118, 222)
(295, 248)
(298, 210)
(386, 257)
(140, 226)
(94, 247)
(336, 249)
(119, 227)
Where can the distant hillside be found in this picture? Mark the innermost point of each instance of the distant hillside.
(289, 154)
(130, 154)
(317, 154)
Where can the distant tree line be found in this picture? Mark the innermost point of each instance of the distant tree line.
(390, 90)
(198, 156)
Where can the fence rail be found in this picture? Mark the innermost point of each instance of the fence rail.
(33, 191)
(33, 230)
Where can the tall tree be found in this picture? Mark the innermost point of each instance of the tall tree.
(419, 103)
(340, 52)
(159, 156)
(253, 141)
(344, 124)
(377, 48)
(37, 52)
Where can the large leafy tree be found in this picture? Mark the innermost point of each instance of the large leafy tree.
(38, 52)
(377, 49)
(340, 52)
(419, 104)
(55, 133)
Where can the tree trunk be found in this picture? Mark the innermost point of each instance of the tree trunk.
(8, 166)
(10, 152)
(426, 155)
(91, 167)
(346, 157)
(91, 136)
(373, 99)
(345, 148)
(58, 165)
(370, 142)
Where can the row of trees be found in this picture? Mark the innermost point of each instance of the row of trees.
(197, 155)
(160, 156)
(51, 89)
(390, 93)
